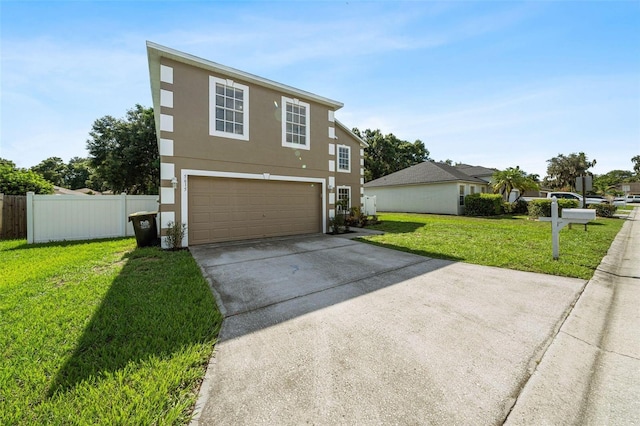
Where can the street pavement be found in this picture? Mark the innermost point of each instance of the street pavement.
(324, 330)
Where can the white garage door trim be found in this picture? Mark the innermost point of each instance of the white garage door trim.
(184, 202)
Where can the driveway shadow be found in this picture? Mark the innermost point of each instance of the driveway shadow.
(253, 276)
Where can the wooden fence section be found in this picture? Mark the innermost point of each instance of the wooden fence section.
(13, 216)
(75, 217)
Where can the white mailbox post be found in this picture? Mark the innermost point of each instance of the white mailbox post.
(569, 216)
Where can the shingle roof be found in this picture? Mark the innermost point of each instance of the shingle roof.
(475, 171)
(427, 172)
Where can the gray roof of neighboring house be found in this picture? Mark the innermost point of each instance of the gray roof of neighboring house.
(427, 172)
(58, 190)
(475, 171)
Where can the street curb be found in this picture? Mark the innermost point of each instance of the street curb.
(559, 388)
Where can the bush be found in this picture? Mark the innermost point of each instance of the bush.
(337, 224)
(507, 208)
(542, 207)
(482, 204)
(520, 206)
(604, 210)
(175, 234)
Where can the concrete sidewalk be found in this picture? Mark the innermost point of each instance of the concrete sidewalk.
(591, 372)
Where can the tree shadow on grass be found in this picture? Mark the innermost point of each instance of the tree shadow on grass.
(398, 227)
(64, 243)
(431, 254)
(157, 305)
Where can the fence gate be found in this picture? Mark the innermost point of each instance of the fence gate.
(13, 216)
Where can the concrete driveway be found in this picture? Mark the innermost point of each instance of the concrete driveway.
(325, 330)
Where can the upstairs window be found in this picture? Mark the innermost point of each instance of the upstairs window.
(295, 123)
(344, 158)
(229, 109)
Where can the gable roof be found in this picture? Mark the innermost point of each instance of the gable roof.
(422, 173)
(356, 137)
(156, 51)
(475, 171)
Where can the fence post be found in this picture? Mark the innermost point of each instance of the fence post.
(30, 213)
(2, 230)
(123, 210)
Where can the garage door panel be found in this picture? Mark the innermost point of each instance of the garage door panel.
(222, 209)
(201, 218)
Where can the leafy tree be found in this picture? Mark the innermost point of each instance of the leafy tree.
(505, 181)
(562, 170)
(5, 162)
(52, 169)
(606, 183)
(14, 181)
(124, 152)
(387, 154)
(78, 173)
(636, 165)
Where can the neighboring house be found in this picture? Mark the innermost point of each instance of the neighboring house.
(484, 173)
(428, 187)
(58, 190)
(244, 157)
(629, 188)
(90, 191)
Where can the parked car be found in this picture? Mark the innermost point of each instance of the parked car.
(633, 198)
(620, 201)
(574, 196)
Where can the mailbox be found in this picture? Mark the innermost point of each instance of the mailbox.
(582, 216)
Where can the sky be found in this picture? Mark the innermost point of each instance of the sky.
(492, 83)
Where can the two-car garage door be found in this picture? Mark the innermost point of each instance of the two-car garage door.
(224, 209)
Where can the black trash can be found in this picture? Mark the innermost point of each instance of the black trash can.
(144, 225)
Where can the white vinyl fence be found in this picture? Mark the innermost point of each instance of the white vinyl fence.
(77, 217)
(370, 208)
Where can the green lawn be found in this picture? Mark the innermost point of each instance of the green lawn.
(101, 333)
(512, 242)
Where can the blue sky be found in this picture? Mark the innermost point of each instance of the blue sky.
(497, 84)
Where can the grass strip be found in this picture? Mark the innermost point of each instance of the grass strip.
(101, 332)
(512, 242)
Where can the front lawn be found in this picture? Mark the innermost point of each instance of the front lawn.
(512, 242)
(101, 332)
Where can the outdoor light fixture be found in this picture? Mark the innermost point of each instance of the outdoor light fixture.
(174, 182)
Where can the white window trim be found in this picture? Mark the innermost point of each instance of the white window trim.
(348, 188)
(307, 146)
(212, 109)
(348, 148)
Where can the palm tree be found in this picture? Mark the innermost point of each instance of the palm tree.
(505, 181)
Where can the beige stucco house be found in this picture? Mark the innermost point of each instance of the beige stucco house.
(244, 157)
(428, 187)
